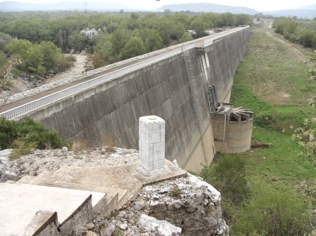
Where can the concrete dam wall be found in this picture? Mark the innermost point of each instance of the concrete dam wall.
(173, 88)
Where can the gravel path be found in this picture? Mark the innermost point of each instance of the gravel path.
(20, 91)
(77, 69)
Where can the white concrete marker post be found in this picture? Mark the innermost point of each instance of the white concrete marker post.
(151, 143)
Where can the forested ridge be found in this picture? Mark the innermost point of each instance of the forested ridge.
(106, 37)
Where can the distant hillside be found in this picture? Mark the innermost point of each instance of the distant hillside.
(303, 12)
(208, 7)
(63, 6)
(310, 7)
(300, 13)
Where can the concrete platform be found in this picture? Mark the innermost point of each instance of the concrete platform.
(169, 171)
(107, 179)
(32, 204)
(110, 180)
(26, 208)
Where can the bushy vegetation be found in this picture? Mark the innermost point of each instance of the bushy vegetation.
(227, 174)
(116, 36)
(301, 32)
(38, 58)
(305, 137)
(29, 133)
(312, 70)
(255, 207)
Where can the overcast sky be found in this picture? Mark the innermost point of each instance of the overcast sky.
(259, 5)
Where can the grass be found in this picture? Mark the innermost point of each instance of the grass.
(274, 71)
(273, 82)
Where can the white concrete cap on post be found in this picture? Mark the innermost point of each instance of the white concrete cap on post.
(151, 143)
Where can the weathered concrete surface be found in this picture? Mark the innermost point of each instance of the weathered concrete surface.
(173, 89)
(232, 135)
(74, 197)
(26, 209)
(110, 180)
(125, 179)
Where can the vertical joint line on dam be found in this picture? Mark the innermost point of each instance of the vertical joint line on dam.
(195, 100)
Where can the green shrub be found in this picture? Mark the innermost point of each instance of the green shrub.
(35, 132)
(227, 175)
(65, 65)
(22, 146)
(8, 133)
(71, 58)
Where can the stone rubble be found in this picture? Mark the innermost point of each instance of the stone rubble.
(183, 206)
(186, 205)
(41, 160)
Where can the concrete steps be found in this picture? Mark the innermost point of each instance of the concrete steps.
(104, 179)
(55, 200)
(30, 209)
(61, 202)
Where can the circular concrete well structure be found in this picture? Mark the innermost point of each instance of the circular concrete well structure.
(232, 129)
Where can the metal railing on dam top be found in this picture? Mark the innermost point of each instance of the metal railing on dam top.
(68, 92)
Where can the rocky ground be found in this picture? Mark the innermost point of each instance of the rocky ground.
(41, 160)
(22, 88)
(185, 205)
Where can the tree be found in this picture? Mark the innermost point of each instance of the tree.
(21, 47)
(31, 56)
(243, 19)
(103, 51)
(4, 40)
(168, 29)
(289, 30)
(51, 55)
(199, 26)
(227, 19)
(118, 40)
(306, 37)
(186, 37)
(183, 19)
(77, 41)
(314, 41)
(36, 58)
(151, 38)
(134, 47)
(133, 22)
(177, 30)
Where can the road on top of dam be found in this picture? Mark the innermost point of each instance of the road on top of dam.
(197, 42)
